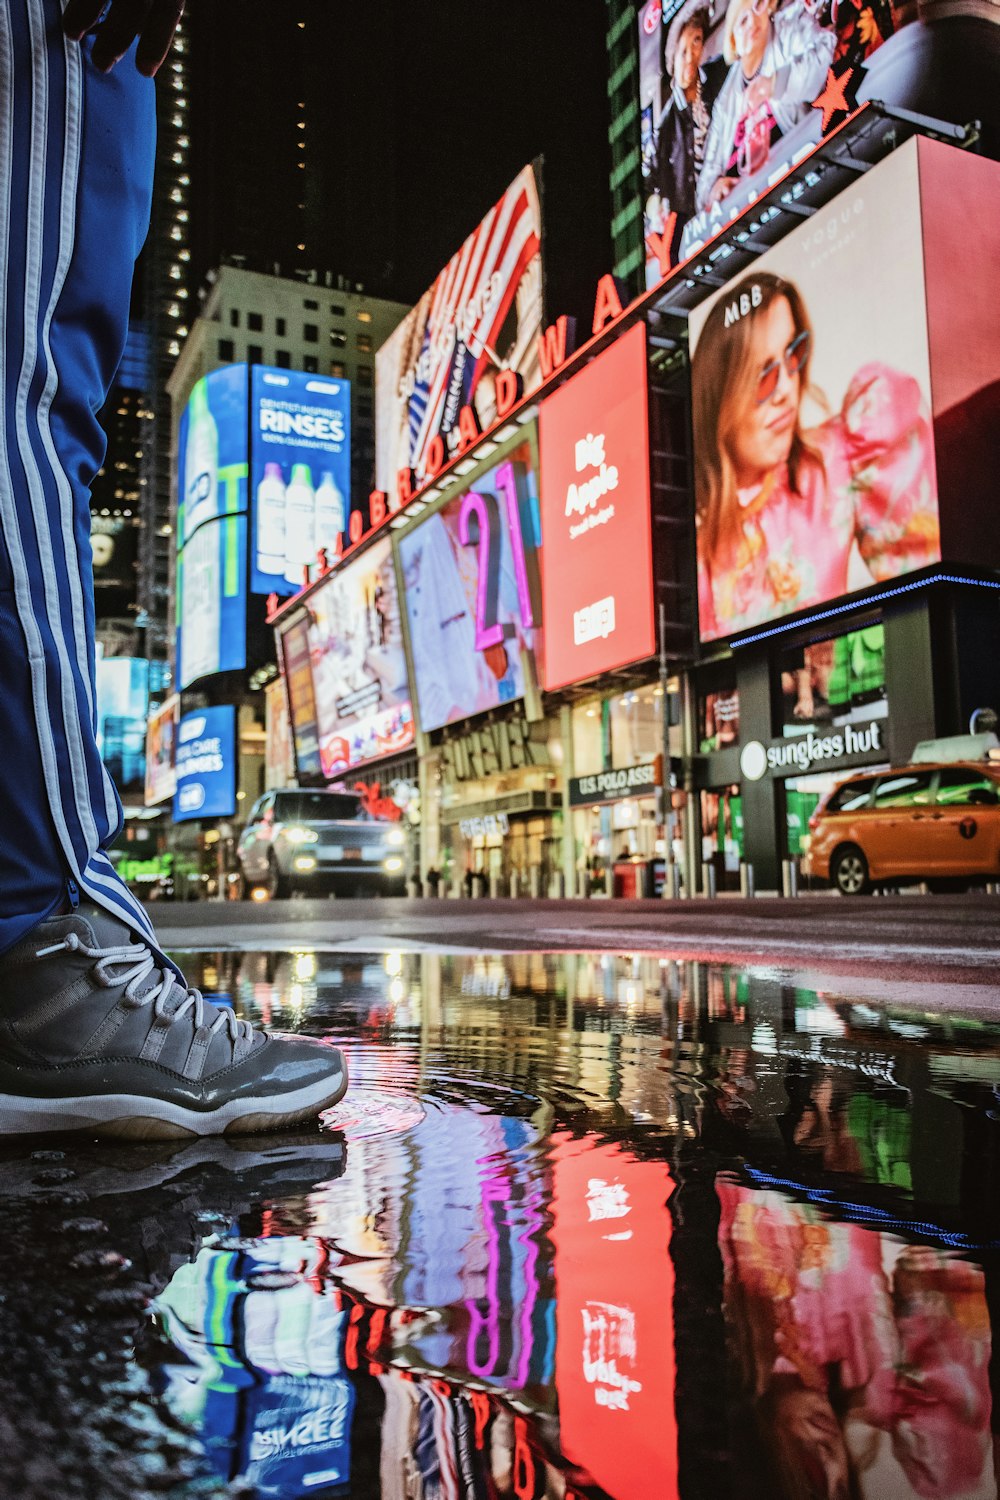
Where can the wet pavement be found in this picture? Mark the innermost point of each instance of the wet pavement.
(584, 1226)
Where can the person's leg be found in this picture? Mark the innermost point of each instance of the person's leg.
(97, 1031)
(76, 164)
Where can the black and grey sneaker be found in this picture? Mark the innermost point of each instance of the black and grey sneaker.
(96, 1035)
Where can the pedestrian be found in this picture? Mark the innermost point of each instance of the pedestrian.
(98, 1029)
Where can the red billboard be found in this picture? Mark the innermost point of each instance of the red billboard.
(597, 562)
(614, 1319)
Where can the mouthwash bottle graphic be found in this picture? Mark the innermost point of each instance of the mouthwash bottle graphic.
(201, 464)
(330, 514)
(271, 521)
(200, 604)
(300, 523)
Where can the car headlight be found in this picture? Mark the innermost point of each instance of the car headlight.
(393, 864)
(304, 863)
(301, 835)
(395, 838)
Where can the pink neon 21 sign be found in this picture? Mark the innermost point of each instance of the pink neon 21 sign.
(484, 507)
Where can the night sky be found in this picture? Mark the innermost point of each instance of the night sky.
(417, 118)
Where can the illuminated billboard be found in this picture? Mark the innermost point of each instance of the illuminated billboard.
(161, 743)
(469, 572)
(300, 474)
(211, 533)
(360, 686)
(814, 452)
(597, 565)
(731, 96)
(482, 314)
(296, 667)
(206, 764)
(122, 706)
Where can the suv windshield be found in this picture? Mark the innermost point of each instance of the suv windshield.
(315, 807)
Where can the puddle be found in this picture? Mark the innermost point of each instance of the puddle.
(587, 1228)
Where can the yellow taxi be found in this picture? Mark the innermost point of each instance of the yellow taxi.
(934, 822)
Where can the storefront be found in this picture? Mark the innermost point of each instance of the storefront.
(816, 705)
(615, 792)
(493, 819)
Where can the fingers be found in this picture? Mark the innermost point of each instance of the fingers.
(152, 21)
(158, 34)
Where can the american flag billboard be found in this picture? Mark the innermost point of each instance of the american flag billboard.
(483, 314)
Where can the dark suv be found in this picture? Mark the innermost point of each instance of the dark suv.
(319, 841)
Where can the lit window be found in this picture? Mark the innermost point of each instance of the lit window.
(364, 317)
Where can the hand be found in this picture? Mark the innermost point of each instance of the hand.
(758, 93)
(722, 187)
(152, 21)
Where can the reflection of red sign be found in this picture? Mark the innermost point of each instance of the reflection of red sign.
(597, 570)
(376, 805)
(614, 1311)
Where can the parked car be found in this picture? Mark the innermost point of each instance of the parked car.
(317, 842)
(939, 823)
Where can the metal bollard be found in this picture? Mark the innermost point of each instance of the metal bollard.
(790, 877)
(515, 882)
(708, 879)
(673, 881)
(494, 887)
(559, 885)
(535, 882)
(746, 879)
(457, 888)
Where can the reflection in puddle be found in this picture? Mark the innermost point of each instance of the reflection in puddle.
(583, 1228)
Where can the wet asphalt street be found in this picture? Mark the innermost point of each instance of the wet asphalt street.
(694, 1202)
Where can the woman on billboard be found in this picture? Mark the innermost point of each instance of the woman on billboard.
(778, 62)
(782, 512)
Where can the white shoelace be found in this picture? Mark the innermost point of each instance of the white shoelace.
(138, 964)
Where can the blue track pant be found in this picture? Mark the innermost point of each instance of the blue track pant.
(76, 167)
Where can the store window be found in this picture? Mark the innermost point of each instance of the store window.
(226, 350)
(722, 834)
(718, 720)
(836, 681)
(255, 354)
(364, 376)
(364, 343)
(636, 726)
(310, 364)
(337, 311)
(310, 332)
(283, 359)
(255, 322)
(337, 367)
(234, 317)
(280, 327)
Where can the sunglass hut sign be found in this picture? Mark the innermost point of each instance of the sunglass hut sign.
(848, 744)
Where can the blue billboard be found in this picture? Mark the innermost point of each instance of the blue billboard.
(206, 765)
(212, 472)
(300, 474)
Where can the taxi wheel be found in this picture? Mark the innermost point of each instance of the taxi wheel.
(849, 871)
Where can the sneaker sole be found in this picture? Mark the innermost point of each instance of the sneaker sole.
(140, 1117)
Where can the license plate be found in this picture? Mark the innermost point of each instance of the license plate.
(354, 854)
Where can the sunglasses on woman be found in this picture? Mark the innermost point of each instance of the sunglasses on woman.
(793, 360)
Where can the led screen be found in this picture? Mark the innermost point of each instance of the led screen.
(814, 453)
(482, 314)
(161, 742)
(359, 685)
(731, 96)
(297, 673)
(206, 764)
(468, 571)
(122, 705)
(300, 474)
(211, 527)
(597, 570)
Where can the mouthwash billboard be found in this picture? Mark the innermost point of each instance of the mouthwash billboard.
(300, 473)
(212, 527)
